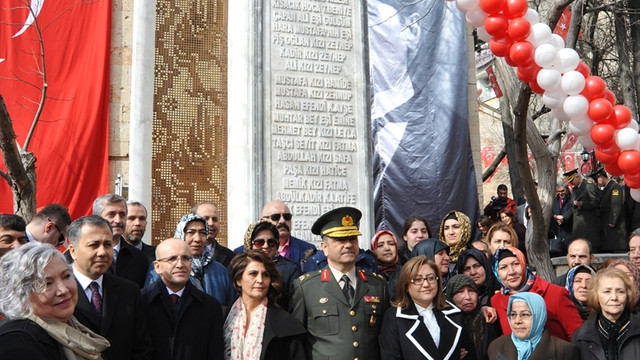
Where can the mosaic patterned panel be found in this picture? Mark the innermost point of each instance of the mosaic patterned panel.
(190, 111)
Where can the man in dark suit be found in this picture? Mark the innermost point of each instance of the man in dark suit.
(209, 211)
(614, 227)
(135, 228)
(584, 210)
(128, 262)
(185, 322)
(108, 305)
(341, 307)
(290, 247)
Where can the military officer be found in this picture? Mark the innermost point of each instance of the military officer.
(341, 307)
(614, 228)
(584, 210)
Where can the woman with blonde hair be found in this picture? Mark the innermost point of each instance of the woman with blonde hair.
(501, 235)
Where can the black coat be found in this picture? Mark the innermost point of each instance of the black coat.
(564, 230)
(192, 329)
(549, 348)
(24, 339)
(586, 218)
(123, 321)
(405, 336)
(222, 254)
(289, 270)
(587, 339)
(283, 337)
(150, 252)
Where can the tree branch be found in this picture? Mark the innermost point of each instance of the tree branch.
(494, 164)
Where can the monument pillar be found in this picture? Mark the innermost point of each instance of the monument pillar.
(298, 112)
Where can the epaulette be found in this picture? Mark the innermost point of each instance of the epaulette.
(303, 277)
(371, 275)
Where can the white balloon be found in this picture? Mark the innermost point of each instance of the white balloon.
(634, 125)
(586, 141)
(475, 17)
(540, 34)
(483, 34)
(549, 79)
(627, 139)
(532, 16)
(557, 41)
(561, 115)
(545, 55)
(581, 127)
(572, 82)
(576, 106)
(553, 99)
(635, 194)
(466, 5)
(568, 59)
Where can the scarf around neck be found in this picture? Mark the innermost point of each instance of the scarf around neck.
(611, 332)
(241, 342)
(78, 342)
(538, 321)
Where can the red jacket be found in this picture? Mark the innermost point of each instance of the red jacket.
(562, 316)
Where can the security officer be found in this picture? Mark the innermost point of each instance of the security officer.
(614, 228)
(584, 211)
(341, 307)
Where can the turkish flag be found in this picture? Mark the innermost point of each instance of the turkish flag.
(71, 139)
(494, 82)
(562, 27)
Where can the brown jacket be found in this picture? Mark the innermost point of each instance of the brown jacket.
(550, 347)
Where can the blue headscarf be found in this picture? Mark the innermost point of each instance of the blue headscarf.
(571, 275)
(538, 320)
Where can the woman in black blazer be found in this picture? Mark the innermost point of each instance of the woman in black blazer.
(422, 324)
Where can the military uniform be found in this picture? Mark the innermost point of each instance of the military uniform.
(614, 239)
(586, 219)
(336, 329)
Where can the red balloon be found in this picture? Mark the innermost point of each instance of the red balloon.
(599, 110)
(515, 8)
(519, 29)
(535, 87)
(594, 87)
(613, 169)
(522, 53)
(500, 46)
(609, 95)
(629, 161)
(607, 155)
(509, 60)
(632, 181)
(491, 6)
(529, 72)
(602, 134)
(583, 69)
(622, 117)
(496, 25)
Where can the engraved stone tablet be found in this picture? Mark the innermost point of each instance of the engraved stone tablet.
(316, 131)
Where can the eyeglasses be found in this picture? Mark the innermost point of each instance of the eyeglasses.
(276, 217)
(61, 238)
(418, 280)
(172, 260)
(260, 242)
(523, 316)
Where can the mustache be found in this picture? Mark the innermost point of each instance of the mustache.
(283, 225)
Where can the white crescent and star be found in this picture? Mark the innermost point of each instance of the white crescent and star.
(35, 7)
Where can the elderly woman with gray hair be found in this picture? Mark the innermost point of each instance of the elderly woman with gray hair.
(37, 297)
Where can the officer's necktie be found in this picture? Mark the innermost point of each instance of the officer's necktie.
(347, 289)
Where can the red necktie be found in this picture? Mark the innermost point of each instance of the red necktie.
(174, 298)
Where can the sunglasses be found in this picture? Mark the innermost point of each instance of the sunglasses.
(276, 217)
(260, 242)
(61, 238)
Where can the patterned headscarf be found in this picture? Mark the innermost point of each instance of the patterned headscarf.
(571, 275)
(538, 320)
(204, 258)
(528, 277)
(465, 236)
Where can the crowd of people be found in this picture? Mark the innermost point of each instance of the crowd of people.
(421, 295)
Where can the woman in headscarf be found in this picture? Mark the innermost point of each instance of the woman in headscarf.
(529, 340)
(38, 297)
(510, 268)
(455, 231)
(578, 279)
(474, 264)
(614, 332)
(438, 252)
(384, 248)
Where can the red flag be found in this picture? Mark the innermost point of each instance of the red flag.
(562, 27)
(71, 140)
(494, 82)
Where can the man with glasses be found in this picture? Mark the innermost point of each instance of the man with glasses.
(177, 310)
(341, 307)
(634, 247)
(108, 305)
(289, 247)
(49, 225)
(12, 234)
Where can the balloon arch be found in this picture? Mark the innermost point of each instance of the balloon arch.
(514, 32)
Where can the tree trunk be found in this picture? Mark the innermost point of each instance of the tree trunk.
(626, 79)
(20, 168)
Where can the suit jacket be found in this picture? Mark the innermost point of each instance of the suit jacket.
(338, 330)
(549, 348)
(123, 320)
(289, 271)
(149, 251)
(611, 212)
(586, 219)
(131, 264)
(24, 339)
(564, 230)
(405, 336)
(192, 329)
(222, 254)
(298, 248)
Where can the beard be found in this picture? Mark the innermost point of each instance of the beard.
(133, 240)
